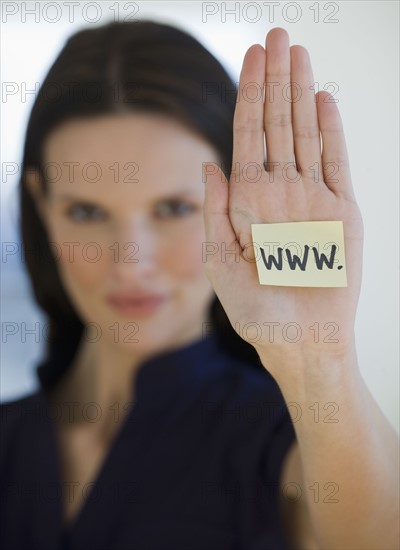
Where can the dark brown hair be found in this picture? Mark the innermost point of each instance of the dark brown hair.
(138, 65)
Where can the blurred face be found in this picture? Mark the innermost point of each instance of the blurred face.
(125, 211)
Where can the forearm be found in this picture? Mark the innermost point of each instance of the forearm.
(350, 446)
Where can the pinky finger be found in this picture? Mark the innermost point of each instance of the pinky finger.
(335, 160)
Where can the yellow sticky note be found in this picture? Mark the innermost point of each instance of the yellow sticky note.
(300, 253)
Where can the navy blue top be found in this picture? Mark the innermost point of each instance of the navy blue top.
(195, 464)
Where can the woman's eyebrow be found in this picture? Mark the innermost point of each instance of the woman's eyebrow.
(67, 197)
(176, 194)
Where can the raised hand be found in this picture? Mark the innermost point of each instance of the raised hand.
(282, 322)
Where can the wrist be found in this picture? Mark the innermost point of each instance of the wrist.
(309, 362)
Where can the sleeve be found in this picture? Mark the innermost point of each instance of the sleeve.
(258, 460)
(282, 437)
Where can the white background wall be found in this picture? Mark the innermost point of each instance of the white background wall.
(358, 52)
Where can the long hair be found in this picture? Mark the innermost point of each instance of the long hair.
(122, 67)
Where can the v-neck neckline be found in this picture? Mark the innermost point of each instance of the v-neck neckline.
(171, 367)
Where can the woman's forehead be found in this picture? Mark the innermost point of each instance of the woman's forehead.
(136, 153)
(124, 134)
(116, 158)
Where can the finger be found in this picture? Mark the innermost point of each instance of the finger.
(248, 127)
(277, 107)
(335, 161)
(218, 226)
(306, 134)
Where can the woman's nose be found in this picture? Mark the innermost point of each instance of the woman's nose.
(135, 248)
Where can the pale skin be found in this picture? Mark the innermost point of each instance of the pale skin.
(359, 453)
(162, 213)
(362, 445)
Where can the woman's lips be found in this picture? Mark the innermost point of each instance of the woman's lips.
(137, 305)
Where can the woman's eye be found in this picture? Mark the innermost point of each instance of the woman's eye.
(174, 209)
(84, 212)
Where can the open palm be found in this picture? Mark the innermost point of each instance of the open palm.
(298, 181)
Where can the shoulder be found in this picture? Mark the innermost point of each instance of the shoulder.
(14, 410)
(253, 387)
(248, 399)
(265, 417)
(17, 416)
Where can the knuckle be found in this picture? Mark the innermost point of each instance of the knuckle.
(306, 132)
(280, 120)
(248, 125)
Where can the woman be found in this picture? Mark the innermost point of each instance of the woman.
(156, 424)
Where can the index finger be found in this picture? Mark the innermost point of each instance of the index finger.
(248, 124)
